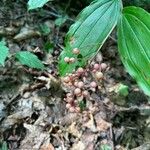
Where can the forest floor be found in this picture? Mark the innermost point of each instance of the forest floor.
(33, 113)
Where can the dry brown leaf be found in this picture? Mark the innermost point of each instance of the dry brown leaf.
(102, 125)
(26, 33)
(47, 147)
(78, 146)
(90, 124)
(73, 130)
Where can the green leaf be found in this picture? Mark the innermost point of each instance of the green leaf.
(93, 26)
(29, 59)
(48, 47)
(3, 52)
(33, 4)
(3, 146)
(134, 44)
(61, 20)
(44, 29)
(105, 147)
(122, 90)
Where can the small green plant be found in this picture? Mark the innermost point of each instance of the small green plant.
(93, 26)
(3, 145)
(24, 57)
(33, 4)
(105, 147)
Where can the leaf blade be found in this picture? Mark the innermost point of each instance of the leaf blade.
(93, 26)
(33, 4)
(29, 59)
(133, 43)
(3, 52)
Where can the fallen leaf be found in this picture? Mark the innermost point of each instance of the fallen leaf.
(90, 124)
(78, 146)
(73, 130)
(47, 147)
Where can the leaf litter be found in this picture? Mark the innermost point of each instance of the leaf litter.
(33, 112)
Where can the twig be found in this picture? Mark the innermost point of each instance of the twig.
(113, 39)
(132, 108)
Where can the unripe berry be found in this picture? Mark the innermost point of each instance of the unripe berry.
(96, 66)
(80, 84)
(76, 51)
(93, 84)
(67, 59)
(103, 66)
(72, 60)
(99, 75)
(77, 91)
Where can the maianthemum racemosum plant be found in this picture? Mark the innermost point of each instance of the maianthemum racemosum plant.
(93, 26)
(91, 29)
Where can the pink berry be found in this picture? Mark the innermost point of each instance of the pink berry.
(80, 84)
(76, 51)
(85, 93)
(99, 75)
(93, 84)
(69, 99)
(69, 95)
(67, 59)
(80, 70)
(68, 106)
(76, 83)
(72, 60)
(71, 109)
(103, 66)
(66, 79)
(77, 91)
(69, 83)
(94, 70)
(96, 66)
(77, 109)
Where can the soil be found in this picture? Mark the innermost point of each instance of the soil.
(33, 113)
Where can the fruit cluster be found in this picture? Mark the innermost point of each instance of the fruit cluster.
(81, 83)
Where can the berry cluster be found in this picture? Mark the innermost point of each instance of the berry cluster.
(81, 83)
